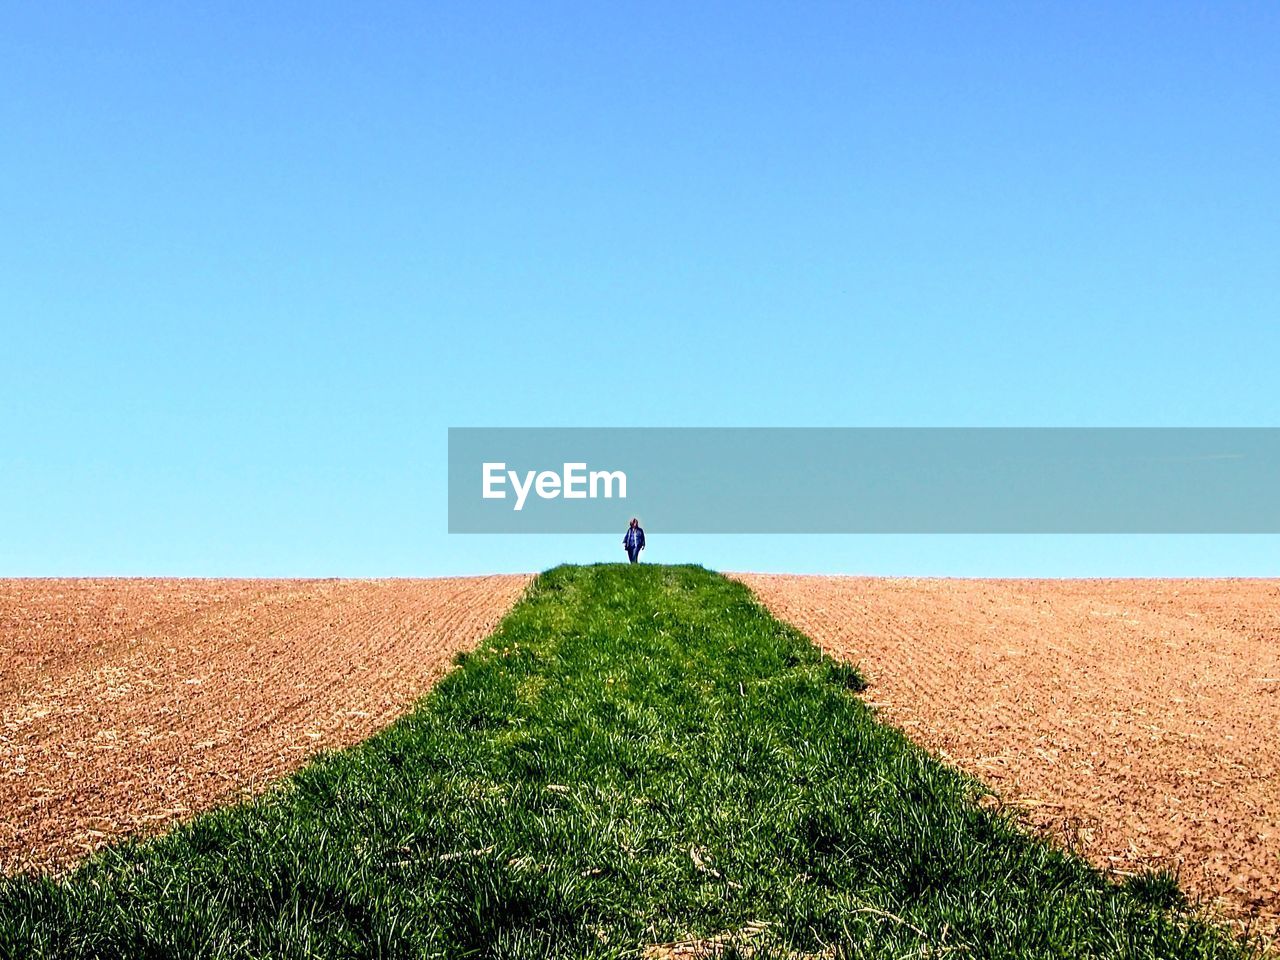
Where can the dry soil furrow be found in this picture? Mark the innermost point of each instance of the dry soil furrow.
(127, 704)
(1134, 719)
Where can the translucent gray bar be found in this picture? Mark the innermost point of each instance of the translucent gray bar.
(868, 480)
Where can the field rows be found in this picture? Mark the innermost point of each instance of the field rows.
(1132, 720)
(128, 704)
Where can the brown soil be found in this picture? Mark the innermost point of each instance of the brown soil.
(127, 704)
(1134, 720)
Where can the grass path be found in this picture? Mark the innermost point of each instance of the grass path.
(638, 756)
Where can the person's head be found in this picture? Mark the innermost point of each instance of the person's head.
(635, 522)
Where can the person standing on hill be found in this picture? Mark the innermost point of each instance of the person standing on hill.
(634, 540)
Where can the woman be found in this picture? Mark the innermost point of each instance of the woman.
(634, 540)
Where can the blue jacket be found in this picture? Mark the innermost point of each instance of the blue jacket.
(634, 540)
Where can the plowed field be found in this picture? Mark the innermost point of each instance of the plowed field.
(1135, 720)
(126, 704)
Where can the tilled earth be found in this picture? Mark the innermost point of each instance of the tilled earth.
(128, 704)
(1133, 720)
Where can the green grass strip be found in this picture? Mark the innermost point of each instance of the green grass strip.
(638, 755)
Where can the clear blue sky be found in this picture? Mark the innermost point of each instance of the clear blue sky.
(256, 258)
